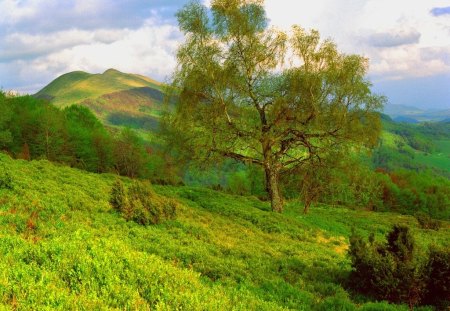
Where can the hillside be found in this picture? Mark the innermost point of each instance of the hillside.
(414, 146)
(119, 99)
(116, 98)
(64, 248)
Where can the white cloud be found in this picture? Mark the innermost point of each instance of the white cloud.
(393, 34)
(148, 50)
(41, 39)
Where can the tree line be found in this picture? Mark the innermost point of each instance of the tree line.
(32, 128)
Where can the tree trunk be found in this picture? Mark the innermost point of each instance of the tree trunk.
(306, 208)
(272, 186)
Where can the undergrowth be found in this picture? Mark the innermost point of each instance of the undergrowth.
(62, 246)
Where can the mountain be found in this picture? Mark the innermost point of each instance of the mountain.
(399, 110)
(117, 98)
(409, 114)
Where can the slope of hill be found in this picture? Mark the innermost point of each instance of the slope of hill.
(75, 87)
(414, 146)
(64, 248)
(116, 98)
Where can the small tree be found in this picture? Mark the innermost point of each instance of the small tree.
(5, 118)
(238, 97)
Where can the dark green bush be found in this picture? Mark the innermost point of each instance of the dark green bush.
(393, 272)
(145, 203)
(6, 181)
(438, 272)
(426, 222)
(388, 271)
(141, 204)
(118, 198)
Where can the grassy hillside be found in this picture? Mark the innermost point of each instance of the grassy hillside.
(118, 99)
(415, 146)
(62, 247)
(77, 86)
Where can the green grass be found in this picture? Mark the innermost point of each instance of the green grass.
(439, 158)
(77, 86)
(62, 247)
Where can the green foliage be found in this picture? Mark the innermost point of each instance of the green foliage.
(396, 272)
(6, 181)
(438, 271)
(141, 204)
(89, 142)
(234, 102)
(136, 122)
(413, 193)
(416, 147)
(129, 154)
(62, 248)
(5, 118)
(426, 222)
(73, 136)
(118, 199)
(239, 183)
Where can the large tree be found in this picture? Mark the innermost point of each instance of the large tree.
(262, 96)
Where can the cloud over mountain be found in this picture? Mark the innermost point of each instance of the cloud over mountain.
(394, 38)
(41, 39)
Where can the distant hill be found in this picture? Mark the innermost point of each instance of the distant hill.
(408, 114)
(117, 98)
(406, 144)
(405, 119)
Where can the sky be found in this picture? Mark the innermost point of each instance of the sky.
(406, 41)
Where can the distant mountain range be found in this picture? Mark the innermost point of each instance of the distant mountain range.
(117, 98)
(401, 113)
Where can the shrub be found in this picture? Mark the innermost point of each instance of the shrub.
(426, 222)
(6, 181)
(388, 271)
(118, 198)
(141, 204)
(438, 271)
(145, 203)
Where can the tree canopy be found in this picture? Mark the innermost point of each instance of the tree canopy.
(280, 100)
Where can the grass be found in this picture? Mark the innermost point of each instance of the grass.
(62, 247)
(77, 86)
(439, 159)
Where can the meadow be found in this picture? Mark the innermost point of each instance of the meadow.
(63, 247)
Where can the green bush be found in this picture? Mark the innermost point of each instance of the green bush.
(141, 204)
(388, 271)
(438, 272)
(393, 272)
(426, 222)
(118, 198)
(6, 181)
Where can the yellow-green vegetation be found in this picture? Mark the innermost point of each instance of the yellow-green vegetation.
(62, 246)
(414, 146)
(76, 86)
(116, 98)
